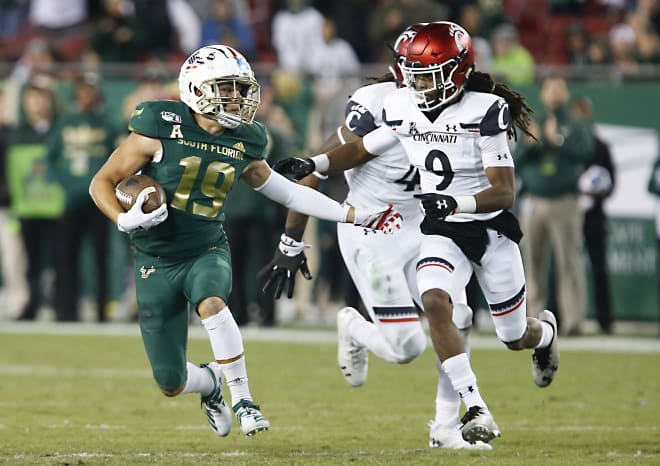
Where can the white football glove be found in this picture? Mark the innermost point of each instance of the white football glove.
(135, 218)
(385, 219)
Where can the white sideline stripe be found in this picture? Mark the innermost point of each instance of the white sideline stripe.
(238, 453)
(21, 370)
(613, 344)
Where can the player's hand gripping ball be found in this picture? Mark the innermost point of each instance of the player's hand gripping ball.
(128, 189)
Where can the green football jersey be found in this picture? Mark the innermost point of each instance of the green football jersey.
(197, 171)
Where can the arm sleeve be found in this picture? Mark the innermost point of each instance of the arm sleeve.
(379, 140)
(495, 151)
(302, 199)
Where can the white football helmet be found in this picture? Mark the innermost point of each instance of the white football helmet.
(205, 71)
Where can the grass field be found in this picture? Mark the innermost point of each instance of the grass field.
(83, 400)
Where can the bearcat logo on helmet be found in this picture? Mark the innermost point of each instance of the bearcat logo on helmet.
(405, 36)
(460, 37)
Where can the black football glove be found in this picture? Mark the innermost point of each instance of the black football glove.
(437, 206)
(281, 271)
(295, 167)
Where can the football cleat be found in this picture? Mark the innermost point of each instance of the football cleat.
(250, 418)
(545, 361)
(352, 357)
(214, 405)
(478, 425)
(451, 439)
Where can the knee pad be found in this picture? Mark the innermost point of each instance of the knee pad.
(410, 348)
(168, 379)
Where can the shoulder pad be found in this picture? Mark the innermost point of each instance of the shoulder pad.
(496, 120)
(254, 138)
(155, 118)
(359, 119)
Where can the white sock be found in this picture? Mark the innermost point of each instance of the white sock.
(227, 343)
(447, 402)
(463, 380)
(226, 340)
(236, 375)
(547, 335)
(199, 380)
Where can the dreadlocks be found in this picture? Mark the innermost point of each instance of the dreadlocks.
(520, 111)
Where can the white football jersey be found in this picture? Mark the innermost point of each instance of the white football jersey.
(452, 152)
(389, 178)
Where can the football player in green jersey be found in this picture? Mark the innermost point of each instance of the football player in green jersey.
(197, 150)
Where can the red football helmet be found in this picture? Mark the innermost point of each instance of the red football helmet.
(438, 61)
(400, 49)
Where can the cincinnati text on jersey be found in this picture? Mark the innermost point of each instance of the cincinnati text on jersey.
(431, 136)
(214, 148)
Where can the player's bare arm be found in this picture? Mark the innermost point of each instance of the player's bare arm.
(502, 192)
(134, 153)
(349, 155)
(296, 220)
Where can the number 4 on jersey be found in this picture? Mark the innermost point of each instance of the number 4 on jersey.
(410, 179)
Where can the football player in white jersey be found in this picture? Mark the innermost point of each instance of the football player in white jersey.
(381, 266)
(453, 123)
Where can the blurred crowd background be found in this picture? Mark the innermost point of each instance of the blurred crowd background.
(72, 71)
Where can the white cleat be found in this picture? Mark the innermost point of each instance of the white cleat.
(479, 425)
(451, 439)
(545, 361)
(353, 358)
(217, 411)
(250, 418)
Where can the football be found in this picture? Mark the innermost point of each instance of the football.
(129, 188)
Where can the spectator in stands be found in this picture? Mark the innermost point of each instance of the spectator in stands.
(296, 96)
(117, 36)
(388, 19)
(512, 63)
(297, 29)
(225, 26)
(168, 26)
(577, 44)
(13, 15)
(598, 51)
(623, 42)
(63, 24)
(12, 254)
(77, 148)
(335, 68)
(648, 48)
(152, 85)
(37, 59)
(471, 20)
(549, 168)
(596, 184)
(37, 199)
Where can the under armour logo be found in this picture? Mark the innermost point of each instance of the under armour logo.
(413, 128)
(442, 204)
(451, 128)
(147, 271)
